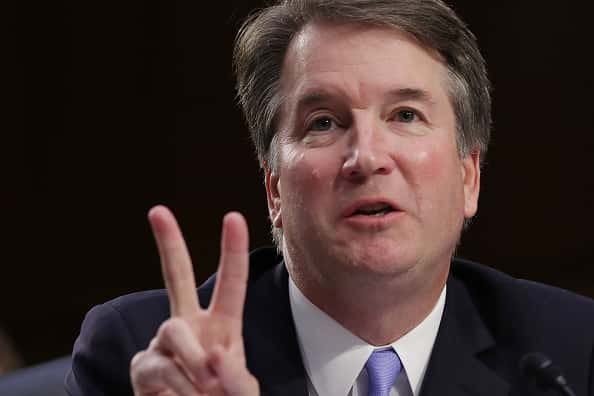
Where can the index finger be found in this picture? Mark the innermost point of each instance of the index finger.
(230, 288)
(176, 265)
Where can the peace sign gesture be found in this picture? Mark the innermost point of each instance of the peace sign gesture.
(198, 351)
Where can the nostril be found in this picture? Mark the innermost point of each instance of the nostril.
(382, 170)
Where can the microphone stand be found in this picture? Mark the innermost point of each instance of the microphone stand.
(547, 375)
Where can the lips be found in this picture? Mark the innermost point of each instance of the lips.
(371, 207)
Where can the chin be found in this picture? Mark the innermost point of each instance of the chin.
(378, 257)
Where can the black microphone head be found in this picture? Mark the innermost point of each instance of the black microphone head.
(539, 367)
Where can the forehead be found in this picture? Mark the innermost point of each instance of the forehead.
(359, 61)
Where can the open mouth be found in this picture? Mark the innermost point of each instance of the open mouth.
(376, 209)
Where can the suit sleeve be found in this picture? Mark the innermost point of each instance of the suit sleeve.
(101, 355)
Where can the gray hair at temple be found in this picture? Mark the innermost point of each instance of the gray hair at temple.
(264, 38)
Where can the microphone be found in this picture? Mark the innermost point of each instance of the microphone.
(539, 367)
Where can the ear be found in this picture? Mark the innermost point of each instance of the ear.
(471, 177)
(271, 181)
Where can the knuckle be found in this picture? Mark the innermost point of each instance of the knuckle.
(154, 344)
(142, 367)
(164, 368)
(154, 368)
(169, 329)
(255, 385)
(137, 360)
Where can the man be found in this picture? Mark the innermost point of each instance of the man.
(370, 119)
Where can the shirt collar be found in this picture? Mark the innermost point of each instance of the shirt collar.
(333, 356)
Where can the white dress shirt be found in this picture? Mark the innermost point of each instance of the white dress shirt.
(334, 358)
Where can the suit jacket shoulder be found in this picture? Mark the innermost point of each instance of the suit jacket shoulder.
(113, 332)
(110, 335)
(522, 312)
(491, 320)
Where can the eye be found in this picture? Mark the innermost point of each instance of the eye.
(321, 124)
(406, 116)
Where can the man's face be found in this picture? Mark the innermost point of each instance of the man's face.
(368, 178)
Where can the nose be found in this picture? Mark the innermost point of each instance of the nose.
(368, 152)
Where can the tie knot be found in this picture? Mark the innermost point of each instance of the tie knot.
(382, 369)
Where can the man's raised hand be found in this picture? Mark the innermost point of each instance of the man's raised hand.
(198, 351)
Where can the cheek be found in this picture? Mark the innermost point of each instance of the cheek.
(433, 171)
(429, 162)
(300, 171)
(306, 176)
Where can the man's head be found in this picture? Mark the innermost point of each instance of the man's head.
(353, 105)
(265, 37)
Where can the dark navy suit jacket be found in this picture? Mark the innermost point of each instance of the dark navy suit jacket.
(490, 321)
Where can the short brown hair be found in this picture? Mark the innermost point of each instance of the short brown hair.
(264, 37)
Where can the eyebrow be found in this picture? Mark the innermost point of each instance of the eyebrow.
(417, 94)
(316, 97)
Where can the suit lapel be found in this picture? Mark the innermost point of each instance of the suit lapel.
(455, 367)
(272, 350)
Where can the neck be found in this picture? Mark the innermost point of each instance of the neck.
(378, 309)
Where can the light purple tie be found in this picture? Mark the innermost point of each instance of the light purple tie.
(382, 369)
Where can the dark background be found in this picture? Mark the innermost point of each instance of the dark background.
(116, 106)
